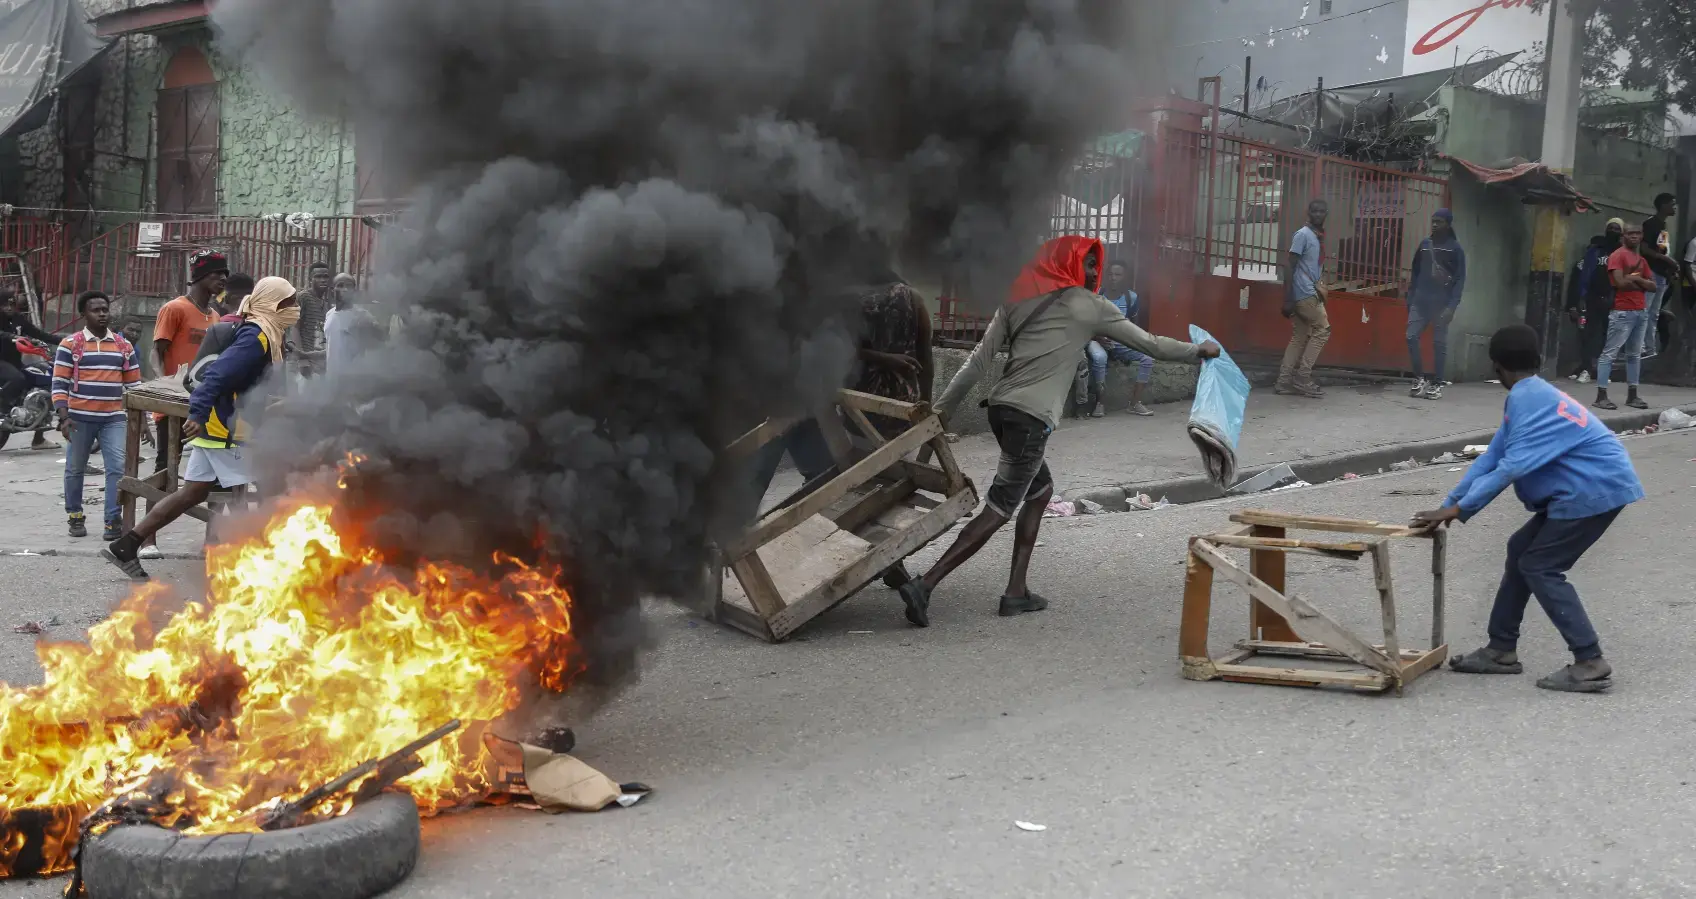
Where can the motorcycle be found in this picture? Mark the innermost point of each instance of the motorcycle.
(34, 411)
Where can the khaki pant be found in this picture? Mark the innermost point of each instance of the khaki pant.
(1312, 329)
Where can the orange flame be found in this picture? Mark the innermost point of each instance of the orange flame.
(309, 657)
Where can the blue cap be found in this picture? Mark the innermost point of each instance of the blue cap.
(1445, 215)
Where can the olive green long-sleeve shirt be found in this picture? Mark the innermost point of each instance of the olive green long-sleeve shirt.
(1046, 356)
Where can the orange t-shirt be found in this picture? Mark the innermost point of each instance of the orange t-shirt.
(185, 326)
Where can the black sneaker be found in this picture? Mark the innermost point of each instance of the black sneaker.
(129, 566)
(112, 531)
(79, 526)
(1019, 605)
(917, 597)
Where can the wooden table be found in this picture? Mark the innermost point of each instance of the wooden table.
(163, 396)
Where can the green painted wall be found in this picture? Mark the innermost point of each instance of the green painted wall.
(1622, 175)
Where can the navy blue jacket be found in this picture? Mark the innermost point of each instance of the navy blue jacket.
(236, 370)
(1427, 290)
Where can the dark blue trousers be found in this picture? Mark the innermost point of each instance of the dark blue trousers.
(1539, 556)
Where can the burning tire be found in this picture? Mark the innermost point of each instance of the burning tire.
(357, 855)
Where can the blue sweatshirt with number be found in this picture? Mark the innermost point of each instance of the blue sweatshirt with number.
(1559, 458)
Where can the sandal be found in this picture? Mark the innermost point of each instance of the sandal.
(1482, 661)
(1019, 605)
(1567, 681)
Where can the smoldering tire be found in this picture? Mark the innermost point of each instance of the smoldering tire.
(355, 856)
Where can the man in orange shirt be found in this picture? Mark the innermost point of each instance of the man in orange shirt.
(182, 325)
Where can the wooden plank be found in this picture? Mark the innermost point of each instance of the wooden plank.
(1439, 556)
(135, 422)
(136, 487)
(884, 406)
(1386, 597)
(1299, 612)
(1312, 650)
(1198, 606)
(743, 620)
(1350, 551)
(764, 433)
(865, 425)
(1428, 660)
(1266, 518)
(163, 405)
(873, 564)
(836, 437)
(934, 480)
(873, 504)
(1268, 565)
(808, 555)
(756, 583)
(950, 467)
(1304, 677)
(782, 520)
(173, 467)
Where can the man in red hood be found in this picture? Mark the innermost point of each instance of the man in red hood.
(1051, 313)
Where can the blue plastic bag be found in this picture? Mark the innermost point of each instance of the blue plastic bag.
(1216, 417)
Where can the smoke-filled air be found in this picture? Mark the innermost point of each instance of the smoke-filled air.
(629, 224)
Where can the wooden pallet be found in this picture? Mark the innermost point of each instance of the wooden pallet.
(1285, 625)
(824, 544)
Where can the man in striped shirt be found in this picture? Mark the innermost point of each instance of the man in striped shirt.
(91, 371)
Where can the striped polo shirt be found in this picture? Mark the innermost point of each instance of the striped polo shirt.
(92, 388)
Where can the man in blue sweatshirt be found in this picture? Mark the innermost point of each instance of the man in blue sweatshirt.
(1575, 476)
(1439, 277)
(215, 428)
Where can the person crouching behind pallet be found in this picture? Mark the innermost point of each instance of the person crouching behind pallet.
(1576, 477)
(213, 431)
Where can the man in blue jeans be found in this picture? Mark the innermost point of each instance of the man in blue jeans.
(1439, 278)
(1630, 275)
(91, 371)
(1118, 291)
(1575, 476)
(1657, 251)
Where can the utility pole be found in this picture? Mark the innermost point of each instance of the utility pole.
(1561, 96)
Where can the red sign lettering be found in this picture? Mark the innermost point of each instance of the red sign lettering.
(1453, 27)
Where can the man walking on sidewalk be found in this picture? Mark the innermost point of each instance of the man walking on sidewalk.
(1051, 313)
(1304, 306)
(1657, 249)
(1626, 324)
(1575, 476)
(1439, 277)
(91, 371)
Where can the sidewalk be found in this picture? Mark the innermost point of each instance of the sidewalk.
(1124, 449)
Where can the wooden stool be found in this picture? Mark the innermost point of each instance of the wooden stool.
(1287, 625)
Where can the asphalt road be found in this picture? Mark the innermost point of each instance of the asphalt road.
(871, 759)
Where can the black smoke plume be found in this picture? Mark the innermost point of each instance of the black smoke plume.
(627, 220)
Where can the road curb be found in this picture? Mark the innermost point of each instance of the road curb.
(1197, 488)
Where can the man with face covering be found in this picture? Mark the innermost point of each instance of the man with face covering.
(1051, 314)
(214, 430)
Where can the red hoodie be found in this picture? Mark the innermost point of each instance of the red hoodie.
(1057, 266)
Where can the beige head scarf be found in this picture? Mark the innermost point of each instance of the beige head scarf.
(260, 307)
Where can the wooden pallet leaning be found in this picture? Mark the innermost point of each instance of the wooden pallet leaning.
(828, 541)
(1313, 634)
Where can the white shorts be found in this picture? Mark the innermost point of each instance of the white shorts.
(226, 467)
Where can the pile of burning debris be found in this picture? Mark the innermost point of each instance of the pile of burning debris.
(314, 677)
